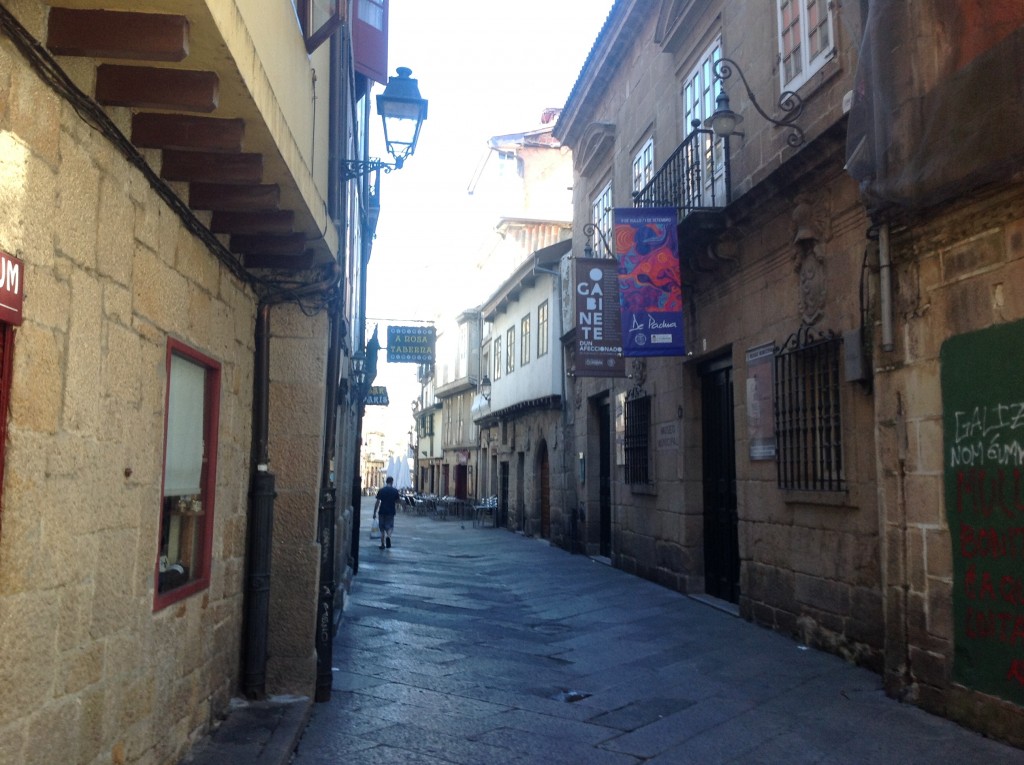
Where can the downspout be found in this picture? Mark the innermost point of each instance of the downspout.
(359, 330)
(261, 497)
(327, 512)
(885, 285)
(261, 518)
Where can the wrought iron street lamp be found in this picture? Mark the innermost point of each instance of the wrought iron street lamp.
(357, 374)
(485, 388)
(588, 249)
(402, 110)
(724, 121)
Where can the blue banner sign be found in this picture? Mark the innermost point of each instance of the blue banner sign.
(650, 290)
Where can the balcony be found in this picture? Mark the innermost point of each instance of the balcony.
(695, 180)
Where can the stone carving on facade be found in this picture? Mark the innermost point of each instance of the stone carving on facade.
(638, 374)
(810, 224)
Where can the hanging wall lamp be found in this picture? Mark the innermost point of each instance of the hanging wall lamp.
(724, 121)
(403, 110)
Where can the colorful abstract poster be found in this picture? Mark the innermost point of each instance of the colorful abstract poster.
(650, 291)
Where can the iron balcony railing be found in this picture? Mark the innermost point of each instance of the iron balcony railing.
(694, 179)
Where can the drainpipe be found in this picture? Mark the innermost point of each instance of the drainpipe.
(327, 512)
(885, 285)
(327, 516)
(261, 497)
(261, 519)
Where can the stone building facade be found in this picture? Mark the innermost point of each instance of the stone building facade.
(153, 198)
(798, 464)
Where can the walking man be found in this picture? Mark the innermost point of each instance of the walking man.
(387, 504)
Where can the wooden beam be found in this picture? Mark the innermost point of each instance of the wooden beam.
(281, 262)
(223, 196)
(113, 34)
(185, 131)
(263, 244)
(212, 167)
(156, 88)
(270, 222)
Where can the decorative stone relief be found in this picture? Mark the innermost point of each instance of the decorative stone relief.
(638, 374)
(810, 225)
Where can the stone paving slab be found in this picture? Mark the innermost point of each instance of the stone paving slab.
(465, 645)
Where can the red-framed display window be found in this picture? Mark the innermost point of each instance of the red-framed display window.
(191, 420)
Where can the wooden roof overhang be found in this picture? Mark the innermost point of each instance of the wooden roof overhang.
(195, 119)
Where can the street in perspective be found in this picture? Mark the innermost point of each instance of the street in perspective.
(468, 644)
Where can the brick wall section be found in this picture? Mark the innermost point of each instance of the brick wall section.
(85, 663)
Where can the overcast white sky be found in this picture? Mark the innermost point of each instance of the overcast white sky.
(486, 69)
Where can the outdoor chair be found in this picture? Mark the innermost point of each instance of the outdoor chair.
(488, 506)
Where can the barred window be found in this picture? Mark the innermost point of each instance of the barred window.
(637, 441)
(808, 419)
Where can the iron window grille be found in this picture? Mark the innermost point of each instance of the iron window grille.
(808, 416)
(636, 445)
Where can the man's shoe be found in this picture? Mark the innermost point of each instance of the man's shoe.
(382, 544)
(389, 542)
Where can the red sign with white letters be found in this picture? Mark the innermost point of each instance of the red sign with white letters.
(12, 278)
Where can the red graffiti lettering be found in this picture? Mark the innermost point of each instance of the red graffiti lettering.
(967, 543)
(1011, 589)
(1016, 671)
(994, 625)
(983, 491)
(991, 542)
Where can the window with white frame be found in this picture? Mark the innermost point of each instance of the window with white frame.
(700, 90)
(189, 475)
(510, 350)
(524, 341)
(601, 216)
(806, 40)
(497, 359)
(643, 166)
(542, 329)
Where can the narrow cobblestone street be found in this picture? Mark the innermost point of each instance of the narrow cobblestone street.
(474, 645)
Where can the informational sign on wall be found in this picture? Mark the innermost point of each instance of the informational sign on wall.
(983, 439)
(760, 412)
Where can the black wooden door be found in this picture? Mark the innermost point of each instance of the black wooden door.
(721, 538)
